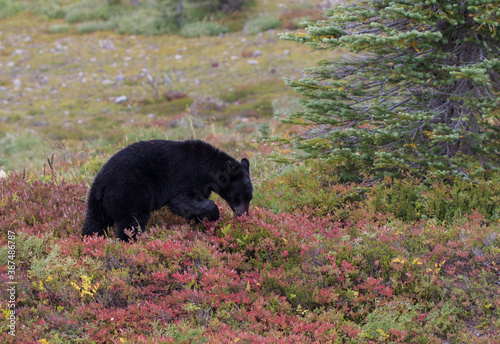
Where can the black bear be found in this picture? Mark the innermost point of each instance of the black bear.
(148, 175)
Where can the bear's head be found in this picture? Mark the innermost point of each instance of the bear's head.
(239, 191)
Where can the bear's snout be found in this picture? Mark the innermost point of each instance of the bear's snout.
(241, 209)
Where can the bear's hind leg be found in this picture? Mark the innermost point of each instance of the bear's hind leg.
(134, 224)
(96, 221)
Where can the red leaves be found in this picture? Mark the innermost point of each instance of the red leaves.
(168, 250)
(267, 278)
(184, 278)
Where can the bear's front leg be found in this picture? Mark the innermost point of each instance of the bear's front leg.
(190, 208)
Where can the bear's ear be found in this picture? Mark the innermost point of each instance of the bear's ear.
(230, 167)
(245, 163)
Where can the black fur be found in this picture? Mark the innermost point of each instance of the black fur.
(148, 175)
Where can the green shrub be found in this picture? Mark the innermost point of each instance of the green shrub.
(94, 26)
(92, 166)
(261, 23)
(50, 9)
(53, 263)
(412, 199)
(202, 29)
(211, 6)
(398, 197)
(446, 203)
(59, 28)
(144, 21)
(301, 188)
(27, 247)
(89, 10)
(10, 8)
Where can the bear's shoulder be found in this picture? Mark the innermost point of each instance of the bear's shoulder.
(205, 151)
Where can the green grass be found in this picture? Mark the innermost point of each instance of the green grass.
(93, 26)
(261, 23)
(23, 150)
(59, 28)
(202, 29)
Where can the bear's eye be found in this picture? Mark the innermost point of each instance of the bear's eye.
(246, 198)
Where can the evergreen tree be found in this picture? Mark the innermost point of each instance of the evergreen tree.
(417, 91)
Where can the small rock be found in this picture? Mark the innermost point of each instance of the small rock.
(17, 84)
(107, 82)
(120, 99)
(287, 52)
(257, 53)
(253, 62)
(178, 57)
(106, 44)
(39, 124)
(18, 52)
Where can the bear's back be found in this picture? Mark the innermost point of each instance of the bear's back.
(157, 160)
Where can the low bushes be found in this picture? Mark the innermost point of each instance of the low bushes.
(269, 278)
(408, 199)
